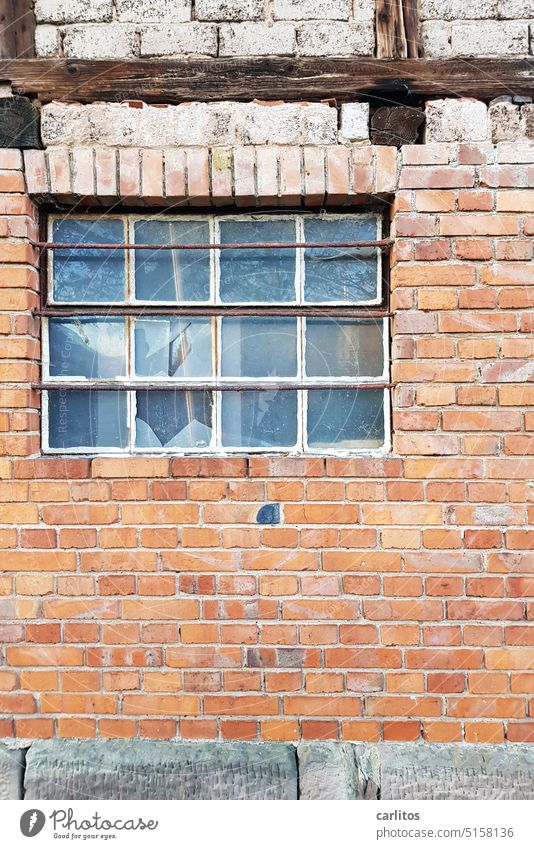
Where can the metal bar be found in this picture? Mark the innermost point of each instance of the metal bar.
(377, 243)
(208, 310)
(212, 387)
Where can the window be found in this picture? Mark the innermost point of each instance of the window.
(217, 348)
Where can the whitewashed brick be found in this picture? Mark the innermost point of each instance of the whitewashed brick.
(505, 122)
(515, 153)
(184, 39)
(47, 41)
(302, 10)
(335, 39)
(490, 38)
(354, 122)
(194, 124)
(436, 39)
(153, 11)
(72, 11)
(229, 10)
(100, 41)
(459, 119)
(453, 10)
(257, 39)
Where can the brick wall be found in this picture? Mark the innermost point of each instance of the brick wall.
(140, 597)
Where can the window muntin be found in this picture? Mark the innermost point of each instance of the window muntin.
(195, 356)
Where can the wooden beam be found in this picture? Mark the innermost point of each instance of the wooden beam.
(17, 29)
(176, 80)
(397, 29)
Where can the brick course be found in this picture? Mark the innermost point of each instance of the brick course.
(139, 597)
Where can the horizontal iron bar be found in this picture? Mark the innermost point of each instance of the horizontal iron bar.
(209, 310)
(377, 243)
(209, 387)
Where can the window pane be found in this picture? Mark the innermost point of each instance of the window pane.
(174, 419)
(259, 419)
(87, 347)
(340, 274)
(173, 347)
(87, 418)
(172, 275)
(263, 275)
(345, 419)
(259, 347)
(88, 275)
(344, 348)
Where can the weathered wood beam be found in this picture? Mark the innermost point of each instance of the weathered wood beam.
(17, 29)
(397, 29)
(175, 80)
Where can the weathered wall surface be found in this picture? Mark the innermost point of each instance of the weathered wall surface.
(140, 597)
(129, 28)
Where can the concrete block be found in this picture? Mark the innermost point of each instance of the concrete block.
(363, 10)
(456, 771)
(456, 120)
(527, 121)
(354, 122)
(454, 10)
(72, 11)
(328, 771)
(229, 10)
(490, 38)
(193, 39)
(321, 38)
(436, 39)
(257, 39)
(100, 41)
(505, 122)
(59, 769)
(11, 772)
(47, 41)
(153, 11)
(302, 10)
(514, 9)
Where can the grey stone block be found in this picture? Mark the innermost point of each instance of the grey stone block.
(456, 771)
(153, 770)
(11, 772)
(328, 771)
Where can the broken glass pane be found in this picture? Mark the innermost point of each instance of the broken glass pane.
(87, 418)
(259, 347)
(174, 419)
(338, 347)
(172, 275)
(262, 274)
(259, 419)
(173, 347)
(87, 347)
(345, 419)
(88, 275)
(340, 275)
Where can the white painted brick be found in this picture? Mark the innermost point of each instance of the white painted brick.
(516, 9)
(335, 39)
(452, 120)
(194, 124)
(257, 39)
(505, 122)
(452, 10)
(515, 153)
(436, 39)
(489, 38)
(354, 122)
(302, 10)
(183, 39)
(153, 11)
(229, 10)
(47, 41)
(363, 10)
(72, 11)
(100, 41)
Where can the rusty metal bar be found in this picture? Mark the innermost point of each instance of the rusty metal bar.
(209, 310)
(377, 243)
(208, 387)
